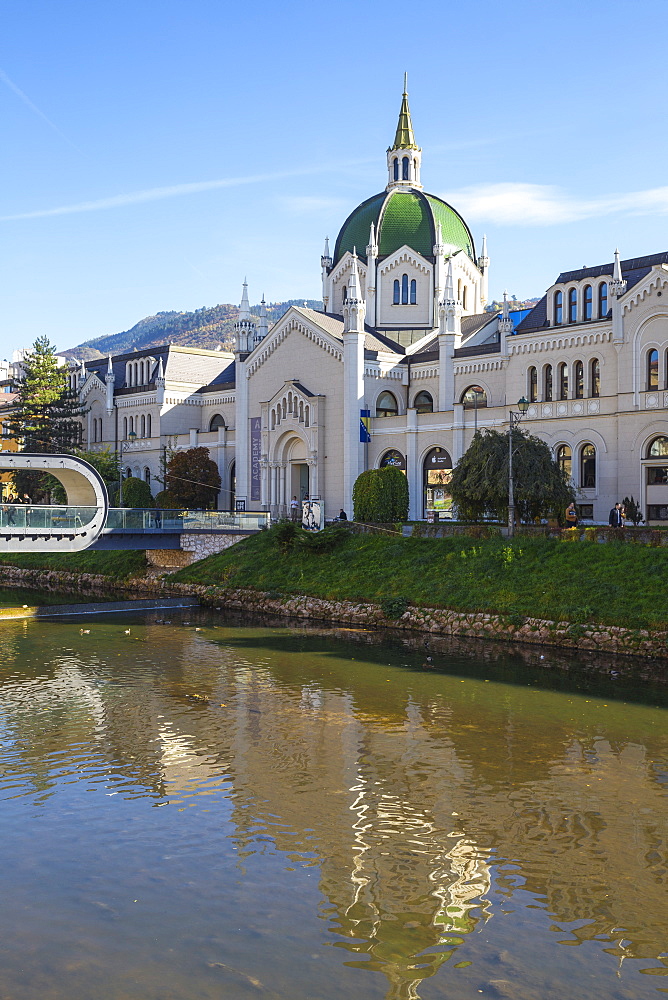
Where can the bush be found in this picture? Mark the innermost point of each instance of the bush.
(135, 493)
(165, 500)
(381, 495)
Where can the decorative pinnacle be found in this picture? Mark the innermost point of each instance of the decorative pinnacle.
(404, 138)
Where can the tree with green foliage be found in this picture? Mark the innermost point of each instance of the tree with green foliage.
(479, 484)
(381, 495)
(136, 493)
(46, 413)
(192, 480)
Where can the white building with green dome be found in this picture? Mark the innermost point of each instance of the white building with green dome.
(401, 367)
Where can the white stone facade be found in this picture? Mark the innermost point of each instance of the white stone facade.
(404, 335)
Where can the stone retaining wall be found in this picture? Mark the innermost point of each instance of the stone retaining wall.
(435, 621)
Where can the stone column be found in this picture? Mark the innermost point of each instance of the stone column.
(414, 491)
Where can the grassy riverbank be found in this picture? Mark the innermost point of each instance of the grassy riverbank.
(613, 584)
(116, 565)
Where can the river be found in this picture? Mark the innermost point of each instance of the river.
(202, 809)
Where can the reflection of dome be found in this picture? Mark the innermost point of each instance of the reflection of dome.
(404, 216)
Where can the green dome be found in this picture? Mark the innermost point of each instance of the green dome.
(403, 217)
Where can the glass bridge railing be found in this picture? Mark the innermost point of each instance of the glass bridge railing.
(146, 519)
(58, 519)
(22, 518)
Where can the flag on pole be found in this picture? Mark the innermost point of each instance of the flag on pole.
(365, 426)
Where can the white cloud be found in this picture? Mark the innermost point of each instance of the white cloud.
(174, 191)
(513, 204)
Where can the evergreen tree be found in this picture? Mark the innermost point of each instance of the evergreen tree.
(46, 414)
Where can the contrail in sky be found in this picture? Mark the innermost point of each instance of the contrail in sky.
(33, 107)
(157, 194)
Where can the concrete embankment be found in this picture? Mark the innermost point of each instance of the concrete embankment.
(434, 621)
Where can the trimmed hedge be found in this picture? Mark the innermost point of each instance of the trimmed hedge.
(381, 495)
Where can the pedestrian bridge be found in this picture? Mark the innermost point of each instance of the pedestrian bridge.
(73, 528)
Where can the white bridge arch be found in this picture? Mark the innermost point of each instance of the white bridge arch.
(71, 527)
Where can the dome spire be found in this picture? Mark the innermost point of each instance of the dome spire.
(404, 138)
(403, 158)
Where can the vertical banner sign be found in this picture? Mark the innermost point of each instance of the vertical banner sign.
(256, 450)
(365, 425)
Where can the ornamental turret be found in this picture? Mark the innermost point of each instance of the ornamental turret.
(244, 328)
(354, 306)
(109, 380)
(263, 328)
(483, 265)
(326, 266)
(405, 156)
(617, 288)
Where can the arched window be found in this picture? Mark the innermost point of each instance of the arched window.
(595, 372)
(404, 289)
(578, 378)
(474, 398)
(306, 416)
(653, 369)
(413, 291)
(588, 467)
(565, 459)
(344, 294)
(395, 297)
(658, 448)
(587, 302)
(563, 380)
(464, 290)
(572, 305)
(216, 422)
(395, 168)
(273, 419)
(603, 300)
(547, 383)
(143, 426)
(132, 425)
(437, 473)
(94, 429)
(148, 426)
(301, 412)
(533, 384)
(558, 308)
(405, 168)
(393, 458)
(386, 405)
(147, 475)
(424, 402)
(125, 428)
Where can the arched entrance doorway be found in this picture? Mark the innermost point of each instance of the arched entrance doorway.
(299, 471)
(436, 475)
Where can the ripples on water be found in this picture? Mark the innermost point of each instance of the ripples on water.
(272, 812)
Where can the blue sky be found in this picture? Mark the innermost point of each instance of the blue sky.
(155, 153)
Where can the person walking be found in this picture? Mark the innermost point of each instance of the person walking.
(615, 517)
(571, 516)
(294, 509)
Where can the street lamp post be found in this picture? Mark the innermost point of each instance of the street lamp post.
(123, 447)
(515, 417)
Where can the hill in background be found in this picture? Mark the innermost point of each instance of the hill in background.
(210, 328)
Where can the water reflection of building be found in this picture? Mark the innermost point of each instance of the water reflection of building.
(398, 793)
